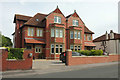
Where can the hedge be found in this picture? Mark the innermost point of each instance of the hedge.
(91, 52)
(15, 53)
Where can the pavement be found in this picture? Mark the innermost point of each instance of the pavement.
(41, 67)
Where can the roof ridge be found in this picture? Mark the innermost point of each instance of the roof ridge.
(23, 15)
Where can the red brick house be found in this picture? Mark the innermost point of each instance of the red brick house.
(51, 34)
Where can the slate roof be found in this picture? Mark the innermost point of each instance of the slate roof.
(86, 30)
(103, 37)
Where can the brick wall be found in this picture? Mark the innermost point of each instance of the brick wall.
(77, 60)
(26, 63)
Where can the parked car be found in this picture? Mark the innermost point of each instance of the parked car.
(63, 55)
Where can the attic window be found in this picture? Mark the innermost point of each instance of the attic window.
(37, 19)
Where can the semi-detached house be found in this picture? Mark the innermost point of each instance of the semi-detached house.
(50, 34)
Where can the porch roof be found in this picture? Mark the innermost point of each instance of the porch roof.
(34, 41)
(90, 44)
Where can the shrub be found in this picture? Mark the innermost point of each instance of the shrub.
(15, 53)
(91, 52)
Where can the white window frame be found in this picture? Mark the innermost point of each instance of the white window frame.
(52, 32)
(58, 19)
(52, 46)
(39, 32)
(30, 31)
(71, 33)
(38, 49)
(75, 35)
(75, 22)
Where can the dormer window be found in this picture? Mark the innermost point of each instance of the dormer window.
(75, 22)
(57, 19)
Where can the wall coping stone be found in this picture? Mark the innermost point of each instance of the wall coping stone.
(15, 59)
(90, 56)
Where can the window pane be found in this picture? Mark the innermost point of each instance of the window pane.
(76, 22)
(71, 34)
(29, 31)
(41, 32)
(36, 49)
(73, 22)
(52, 48)
(75, 35)
(39, 50)
(32, 31)
(57, 33)
(61, 33)
(84, 37)
(75, 48)
(71, 47)
(52, 32)
(55, 19)
(56, 48)
(79, 48)
(61, 48)
(78, 35)
(37, 32)
(59, 20)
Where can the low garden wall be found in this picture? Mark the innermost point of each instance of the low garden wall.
(77, 60)
(13, 64)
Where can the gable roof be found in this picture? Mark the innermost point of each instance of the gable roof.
(86, 30)
(57, 10)
(74, 15)
(103, 37)
(21, 17)
(36, 20)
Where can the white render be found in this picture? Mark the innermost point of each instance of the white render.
(113, 46)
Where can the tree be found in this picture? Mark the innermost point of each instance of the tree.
(5, 41)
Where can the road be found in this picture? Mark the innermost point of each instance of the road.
(108, 71)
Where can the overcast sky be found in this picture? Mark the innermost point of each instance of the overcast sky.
(98, 15)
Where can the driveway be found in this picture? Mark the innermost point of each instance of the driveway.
(39, 64)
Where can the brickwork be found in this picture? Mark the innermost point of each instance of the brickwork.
(77, 60)
(24, 64)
